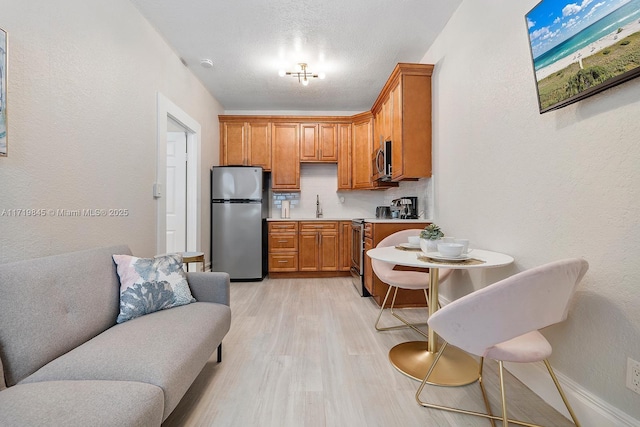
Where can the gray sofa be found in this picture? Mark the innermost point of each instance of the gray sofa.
(65, 362)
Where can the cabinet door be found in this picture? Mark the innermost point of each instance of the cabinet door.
(233, 144)
(361, 166)
(344, 256)
(328, 142)
(285, 150)
(397, 149)
(308, 251)
(378, 133)
(386, 118)
(259, 145)
(309, 149)
(412, 101)
(344, 157)
(329, 250)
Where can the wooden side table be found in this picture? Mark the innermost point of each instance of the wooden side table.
(189, 257)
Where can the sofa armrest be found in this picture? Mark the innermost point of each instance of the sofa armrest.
(210, 286)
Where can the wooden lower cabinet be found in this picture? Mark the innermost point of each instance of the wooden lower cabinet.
(283, 246)
(319, 247)
(373, 234)
(309, 248)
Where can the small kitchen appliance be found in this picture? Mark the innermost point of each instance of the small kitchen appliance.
(383, 212)
(407, 207)
(382, 162)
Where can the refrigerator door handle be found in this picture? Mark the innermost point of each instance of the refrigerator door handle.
(236, 201)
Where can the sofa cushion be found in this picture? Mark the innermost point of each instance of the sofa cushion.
(167, 348)
(82, 404)
(151, 284)
(51, 305)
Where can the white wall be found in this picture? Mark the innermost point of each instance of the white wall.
(541, 187)
(83, 79)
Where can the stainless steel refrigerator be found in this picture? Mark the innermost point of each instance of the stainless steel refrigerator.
(239, 208)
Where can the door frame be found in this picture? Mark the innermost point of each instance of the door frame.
(166, 109)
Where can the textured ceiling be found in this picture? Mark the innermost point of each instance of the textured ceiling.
(355, 42)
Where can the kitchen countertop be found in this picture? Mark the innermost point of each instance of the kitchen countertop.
(371, 220)
(309, 219)
(387, 221)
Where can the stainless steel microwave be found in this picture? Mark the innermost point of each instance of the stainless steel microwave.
(382, 162)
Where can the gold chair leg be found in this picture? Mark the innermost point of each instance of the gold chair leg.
(484, 392)
(564, 397)
(464, 411)
(505, 419)
(406, 324)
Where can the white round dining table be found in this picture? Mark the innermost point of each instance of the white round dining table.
(414, 358)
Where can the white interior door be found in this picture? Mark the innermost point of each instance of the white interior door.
(170, 115)
(176, 192)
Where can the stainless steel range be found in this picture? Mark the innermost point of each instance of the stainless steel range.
(357, 256)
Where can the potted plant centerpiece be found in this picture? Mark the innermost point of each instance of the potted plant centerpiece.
(429, 238)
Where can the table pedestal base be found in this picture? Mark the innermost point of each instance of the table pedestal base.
(455, 367)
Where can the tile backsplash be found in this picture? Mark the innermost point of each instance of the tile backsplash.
(321, 179)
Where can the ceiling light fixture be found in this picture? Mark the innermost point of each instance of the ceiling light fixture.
(206, 63)
(303, 74)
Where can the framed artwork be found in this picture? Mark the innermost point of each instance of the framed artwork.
(581, 48)
(3, 92)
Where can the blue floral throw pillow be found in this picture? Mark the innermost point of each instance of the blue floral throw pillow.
(150, 284)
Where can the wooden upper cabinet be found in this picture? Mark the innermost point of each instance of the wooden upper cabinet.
(344, 157)
(397, 160)
(318, 142)
(309, 142)
(362, 147)
(328, 142)
(259, 144)
(245, 144)
(232, 144)
(386, 119)
(285, 148)
(412, 118)
(406, 101)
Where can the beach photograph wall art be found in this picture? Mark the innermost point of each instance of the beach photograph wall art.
(581, 48)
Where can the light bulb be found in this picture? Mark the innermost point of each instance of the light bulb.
(305, 82)
(282, 73)
(321, 76)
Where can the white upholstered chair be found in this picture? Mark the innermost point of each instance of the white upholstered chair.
(501, 322)
(401, 279)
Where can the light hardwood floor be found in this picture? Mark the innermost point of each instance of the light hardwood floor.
(304, 352)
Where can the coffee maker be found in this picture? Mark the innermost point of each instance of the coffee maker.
(408, 207)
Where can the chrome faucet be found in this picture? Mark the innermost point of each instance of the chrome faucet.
(318, 210)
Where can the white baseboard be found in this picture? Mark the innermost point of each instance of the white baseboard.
(590, 410)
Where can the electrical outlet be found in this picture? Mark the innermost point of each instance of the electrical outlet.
(633, 375)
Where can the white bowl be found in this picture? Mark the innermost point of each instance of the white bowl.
(450, 249)
(414, 240)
